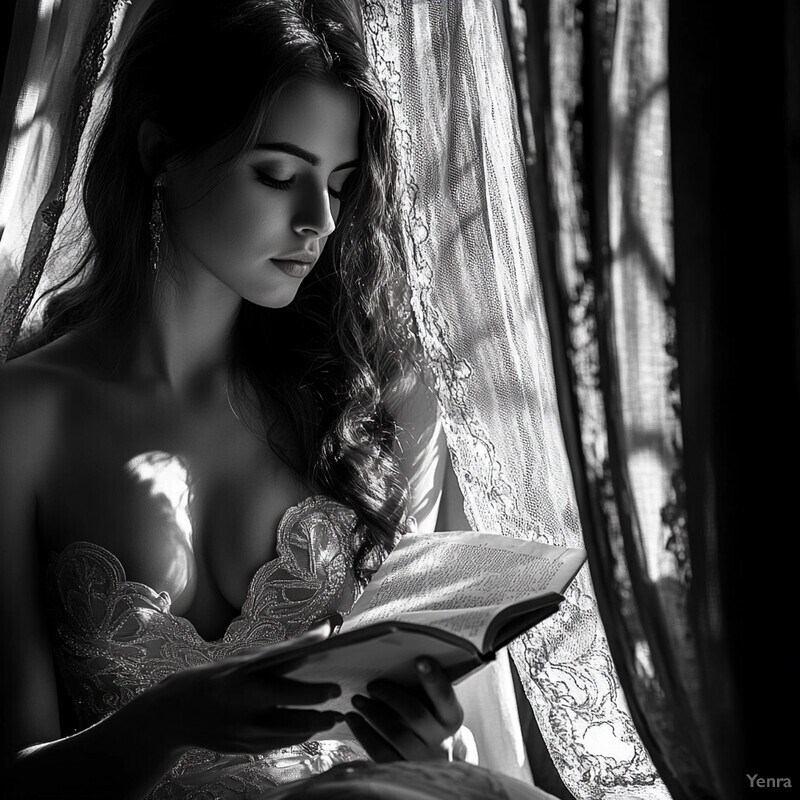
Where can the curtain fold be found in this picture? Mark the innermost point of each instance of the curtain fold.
(593, 78)
(662, 161)
(476, 297)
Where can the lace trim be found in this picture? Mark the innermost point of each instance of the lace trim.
(115, 638)
(471, 448)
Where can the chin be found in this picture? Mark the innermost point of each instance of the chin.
(275, 299)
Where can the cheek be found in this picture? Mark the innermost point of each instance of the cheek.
(232, 219)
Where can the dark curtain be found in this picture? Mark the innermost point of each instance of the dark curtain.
(736, 103)
(665, 196)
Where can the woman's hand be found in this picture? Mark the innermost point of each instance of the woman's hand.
(244, 704)
(395, 723)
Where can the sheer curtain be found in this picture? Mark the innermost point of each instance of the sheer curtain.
(634, 115)
(593, 93)
(477, 299)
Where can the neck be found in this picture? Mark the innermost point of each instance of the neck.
(183, 342)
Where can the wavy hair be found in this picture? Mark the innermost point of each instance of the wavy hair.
(208, 72)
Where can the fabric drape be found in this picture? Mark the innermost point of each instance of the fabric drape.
(477, 300)
(646, 285)
(597, 121)
(594, 107)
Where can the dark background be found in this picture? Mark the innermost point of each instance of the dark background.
(735, 113)
(6, 18)
(735, 126)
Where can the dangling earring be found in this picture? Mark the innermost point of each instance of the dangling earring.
(156, 222)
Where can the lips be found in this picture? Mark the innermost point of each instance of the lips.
(295, 265)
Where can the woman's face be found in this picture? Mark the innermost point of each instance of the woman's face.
(259, 229)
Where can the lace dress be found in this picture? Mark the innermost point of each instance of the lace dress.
(115, 638)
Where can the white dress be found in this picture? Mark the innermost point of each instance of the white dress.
(115, 638)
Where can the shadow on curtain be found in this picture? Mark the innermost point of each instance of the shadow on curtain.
(662, 203)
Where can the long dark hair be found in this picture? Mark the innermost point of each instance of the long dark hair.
(206, 70)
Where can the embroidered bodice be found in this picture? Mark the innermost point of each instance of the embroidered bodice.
(115, 638)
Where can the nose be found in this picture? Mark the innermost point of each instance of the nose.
(314, 217)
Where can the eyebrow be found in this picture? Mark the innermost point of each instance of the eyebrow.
(294, 150)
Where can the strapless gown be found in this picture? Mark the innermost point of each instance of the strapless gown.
(115, 638)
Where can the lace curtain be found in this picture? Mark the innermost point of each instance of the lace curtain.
(653, 358)
(478, 303)
(594, 83)
(476, 297)
(54, 104)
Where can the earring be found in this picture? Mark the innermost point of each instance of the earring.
(156, 222)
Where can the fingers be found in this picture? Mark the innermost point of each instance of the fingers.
(283, 728)
(377, 747)
(279, 727)
(267, 664)
(265, 729)
(396, 721)
(287, 692)
(405, 710)
(440, 692)
(394, 730)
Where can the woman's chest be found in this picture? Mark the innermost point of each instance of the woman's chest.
(189, 503)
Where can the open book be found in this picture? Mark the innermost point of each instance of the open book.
(457, 597)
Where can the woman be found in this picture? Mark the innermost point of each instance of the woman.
(230, 350)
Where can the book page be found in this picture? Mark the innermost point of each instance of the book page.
(458, 581)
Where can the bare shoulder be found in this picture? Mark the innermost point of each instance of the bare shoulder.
(32, 387)
(29, 384)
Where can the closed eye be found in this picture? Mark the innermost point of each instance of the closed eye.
(274, 183)
(283, 185)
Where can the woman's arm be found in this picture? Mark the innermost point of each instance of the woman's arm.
(392, 722)
(421, 447)
(127, 753)
(491, 733)
(78, 765)
(124, 757)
